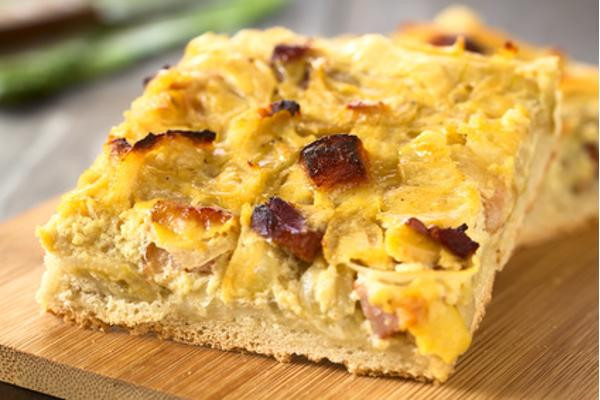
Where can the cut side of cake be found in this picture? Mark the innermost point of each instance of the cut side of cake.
(568, 196)
(344, 199)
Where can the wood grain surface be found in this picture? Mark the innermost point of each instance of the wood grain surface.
(539, 340)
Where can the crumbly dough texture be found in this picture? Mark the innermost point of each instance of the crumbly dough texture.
(569, 194)
(199, 219)
(279, 341)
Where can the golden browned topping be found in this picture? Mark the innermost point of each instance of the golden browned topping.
(453, 239)
(335, 159)
(285, 226)
(449, 39)
(203, 137)
(164, 212)
(290, 106)
(432, 152)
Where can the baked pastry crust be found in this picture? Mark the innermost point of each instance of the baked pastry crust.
(569, 194)
(346, 198)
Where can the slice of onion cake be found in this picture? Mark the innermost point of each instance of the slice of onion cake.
(344, 199)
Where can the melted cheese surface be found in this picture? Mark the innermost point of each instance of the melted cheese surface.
(452, 133)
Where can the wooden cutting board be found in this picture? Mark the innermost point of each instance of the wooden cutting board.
(539, 340)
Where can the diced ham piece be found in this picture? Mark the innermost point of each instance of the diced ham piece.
(449, 39)
(288, 52)
(280, 222)
(335, 159)
(290, 106)
(454, 240)
(203, 137)
(383, 324)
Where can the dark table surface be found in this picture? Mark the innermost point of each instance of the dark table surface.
(45, 146)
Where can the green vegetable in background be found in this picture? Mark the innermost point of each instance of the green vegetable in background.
(43, 71)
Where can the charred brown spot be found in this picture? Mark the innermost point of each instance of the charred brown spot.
(291, 62)
(365, 106)
(510, 46)
(592, 151)
(119, 146)
(147, 142)
(449, 39)
(454, 240)
(289, 52)
(285, 105)
(166, 212)
(474, 47)
(335, 159)
(147, 79)
(285, 226)
(383, 324)
(203, 137)
(290, 106)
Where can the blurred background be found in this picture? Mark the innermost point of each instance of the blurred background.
(69, 68)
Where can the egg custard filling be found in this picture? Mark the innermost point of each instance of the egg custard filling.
(569, 193)
(348, 199)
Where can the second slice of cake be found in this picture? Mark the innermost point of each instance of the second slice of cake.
(345, 199)
(568, 196)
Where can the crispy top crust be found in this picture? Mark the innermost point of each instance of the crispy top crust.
(425, 133)
(279, 221)
(359, 135)
(433, 110)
